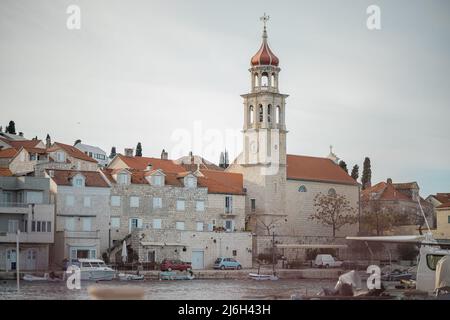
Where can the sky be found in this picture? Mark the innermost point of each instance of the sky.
(169, 74)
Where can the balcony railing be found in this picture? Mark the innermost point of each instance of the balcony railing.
(8, 204)
(81, 234)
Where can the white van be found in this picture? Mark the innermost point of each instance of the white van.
(327, 261)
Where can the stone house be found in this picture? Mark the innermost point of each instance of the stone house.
(443, 221)
(82, 214)
(176, 213)
(67, 155)
(25, 206)
(402, 201)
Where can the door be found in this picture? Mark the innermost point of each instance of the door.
(198, 259)
(31, 259)
(151, 257)
(11, 259)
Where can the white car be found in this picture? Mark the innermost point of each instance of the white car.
(327, 261)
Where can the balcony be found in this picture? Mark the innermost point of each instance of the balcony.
(228, 212)
(14, 208)
(81, 234)
(27, 237)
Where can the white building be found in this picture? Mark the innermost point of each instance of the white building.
(94, 152)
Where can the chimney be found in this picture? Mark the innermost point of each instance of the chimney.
(129, 152)
(389, 180)
(164, 155)
(149, 167)
(21, 134)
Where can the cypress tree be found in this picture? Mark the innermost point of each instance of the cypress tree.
(355, 172)
(366, 174)
(343, 165)
(113, 152)
(138, 150)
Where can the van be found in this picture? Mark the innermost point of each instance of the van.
(326, 261)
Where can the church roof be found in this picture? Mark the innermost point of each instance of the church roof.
(264, 56)
(316, 169)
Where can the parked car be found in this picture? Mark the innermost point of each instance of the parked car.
(227, 263)
(169, 265)
(327, 261)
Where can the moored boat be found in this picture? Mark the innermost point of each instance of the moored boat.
(130, 277)
(46, 277)
(257, 276)
(95, 270)
(171, 275)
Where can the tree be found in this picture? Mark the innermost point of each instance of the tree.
(48, 141)
(355, 172)
(375, 218)
(77, 142)
(366, 174)
(11, 128)
(271, 223)
(113, 152)
(333, 210)
(138, 150)
(343, 165)
(1, 129)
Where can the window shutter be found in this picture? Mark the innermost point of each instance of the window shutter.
(130, 225)
(139, 223)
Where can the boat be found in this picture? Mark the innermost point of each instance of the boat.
(95, 270)
(171, 275)
(257, 276)
(130, 277)
(46, 278)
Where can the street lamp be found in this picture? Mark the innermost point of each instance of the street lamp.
(17, 260)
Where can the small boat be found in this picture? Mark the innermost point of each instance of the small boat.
(130, 277)
(257, 276)
(171, 275)
(95, 270)
(46, 277)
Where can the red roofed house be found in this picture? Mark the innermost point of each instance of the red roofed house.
(281, 187)
(400, 200)
(173, 211)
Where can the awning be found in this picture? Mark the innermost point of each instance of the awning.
(162, 244)
(311, 246)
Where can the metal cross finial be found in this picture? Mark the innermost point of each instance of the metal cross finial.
(331, 149)
(264, 19)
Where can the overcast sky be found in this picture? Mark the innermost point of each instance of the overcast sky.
(163, 72)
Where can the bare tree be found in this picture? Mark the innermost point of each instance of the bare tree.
(269, 225)
(375, 218)
(333, 210)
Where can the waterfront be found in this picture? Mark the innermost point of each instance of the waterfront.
(176, 290)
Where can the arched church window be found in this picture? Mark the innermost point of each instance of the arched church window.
(277, 115)
(251, 116)
(256, 80)
(261, 114)
(265, 79)
(331, 192)
(272, 80)
(269, 112)
(302, 188)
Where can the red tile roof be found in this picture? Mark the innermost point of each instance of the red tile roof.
(71, 151)
(444, 205)
(36, 150)
(5, 172)
(442, 197)
(8, 153)
(384, 191)
(141, 163)
(64, 177)
(222, 182)
(316, 169)
(21, 143)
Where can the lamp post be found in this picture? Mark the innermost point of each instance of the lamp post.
(17, 260)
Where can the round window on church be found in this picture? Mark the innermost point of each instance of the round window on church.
(302, 189)
(331, 192)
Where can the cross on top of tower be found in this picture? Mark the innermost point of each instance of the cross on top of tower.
(264, 19)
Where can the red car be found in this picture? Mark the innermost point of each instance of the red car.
(169, 265)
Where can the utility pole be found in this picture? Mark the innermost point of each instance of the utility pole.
(273, 253)
(17, 260)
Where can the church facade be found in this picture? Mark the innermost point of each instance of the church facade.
(281, 187)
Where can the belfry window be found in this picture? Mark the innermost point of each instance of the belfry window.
(277, 115)
(261, 114)
(272, 80)
(302, 188)
(265, 80)
(251, 116)
(269, 112)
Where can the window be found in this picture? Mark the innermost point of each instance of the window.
(269, 111)
(200, 226)
(70, 224)
(229, 225)
(122, 178)
(157, 203)
(210, 227)
(158, 181)
(302, 188)
(180, 205)
(70, 200)
(264, 79)
(38, 226)
(180, 225)
(33, 226)
(261, 114)
(251, 115)
(35, 197)
(134, 223)
(78, 182)
(87, 224)
(228, 204)
(60, 157)
(134, 202)
(87, 201)
(43, 226)
(277, 115)
(200, 206)
(49, 226)
(13, 226)
(234, 253)
(115, 201)
(253, 204)
(190, 182)
(331, 192)
(448, 219)
(432, 260)
(156, 223)
(115, 222)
